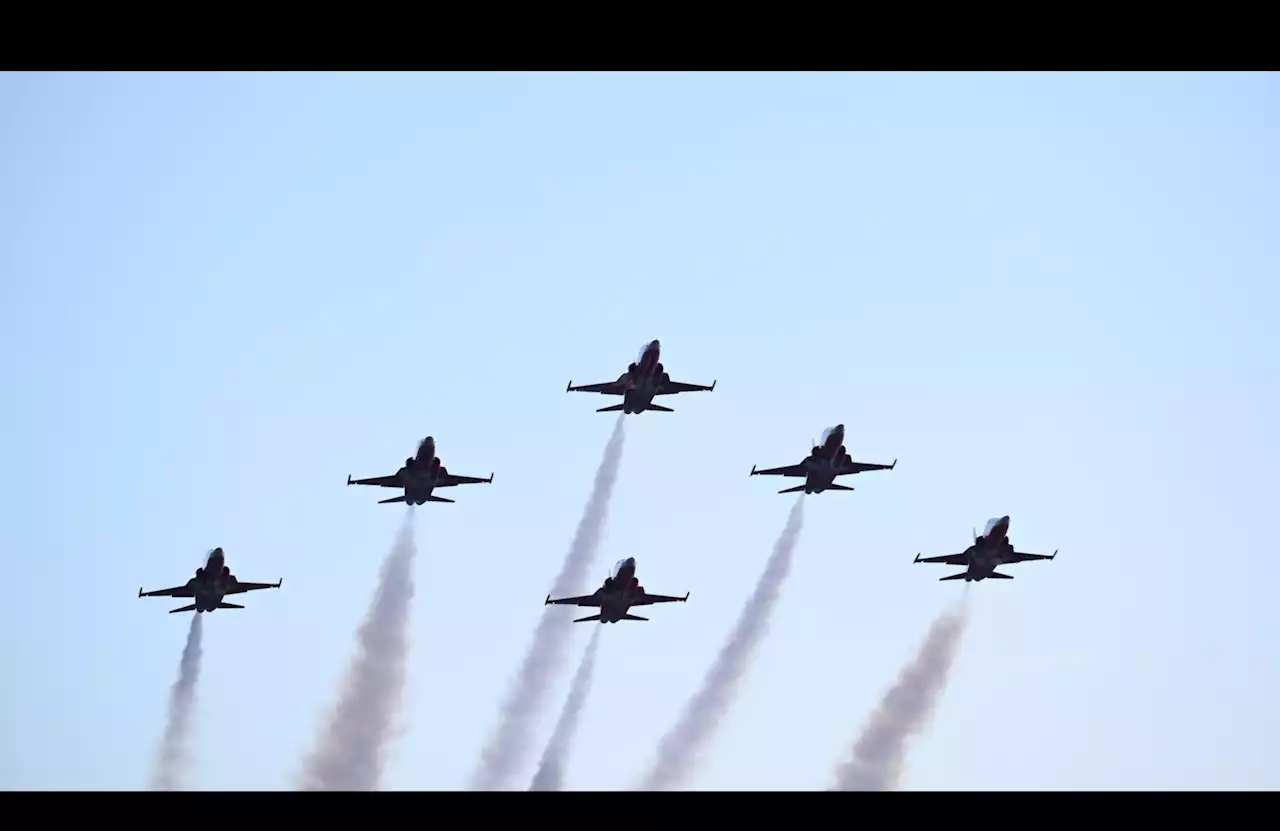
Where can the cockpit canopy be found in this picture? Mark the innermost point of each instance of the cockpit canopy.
(991, 524)
(629, 562)
(826, 434)
(653, 344)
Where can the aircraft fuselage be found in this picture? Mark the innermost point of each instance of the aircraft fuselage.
(821, 464)
(420, 472)
(990, 550)
(614, 600)
(211, 582)
(643, 379)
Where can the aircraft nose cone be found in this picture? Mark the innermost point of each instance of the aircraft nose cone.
(631, 562)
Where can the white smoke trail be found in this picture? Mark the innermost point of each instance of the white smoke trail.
(509, 745)
(680, 750)
(351, 749)
(550, 773)
(172, 757)
(877, 758)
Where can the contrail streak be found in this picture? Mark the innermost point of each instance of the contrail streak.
(509, 745)
(680, 750)
(877, 758)
(171, 759)
(351, 750)
(550, 773)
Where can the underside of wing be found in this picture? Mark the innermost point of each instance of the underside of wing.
(585, 600)
(449, 480)
(1022, 557)
(241, 588)
(392, 481)
(673, 387)
(176, 591)
(604, 388)
(650, 599)
(851, 466)
(788, 470)
(960, 559)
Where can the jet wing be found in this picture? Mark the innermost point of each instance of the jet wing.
(789, 470)
(176, 591)
(241, 588)
(604, 388)
(649, 599)
(1021, 557)
(585, 600)
(392, 481)
(449, 480)
(673, 387)
(960, 559)
(851, 466)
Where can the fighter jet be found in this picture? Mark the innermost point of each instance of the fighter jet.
(209, 586)
(420, 475)
(621, 591)
(820, 468)
(643, 380)
(988, 551)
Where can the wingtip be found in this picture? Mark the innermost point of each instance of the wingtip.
(547, 602)
(713, 387)
(139, 591)
(753, 470)
(491, 477)
(895, 464)
(686, 595)
(349, 479)
(917, 559)
(569, 386)
(1054, 554)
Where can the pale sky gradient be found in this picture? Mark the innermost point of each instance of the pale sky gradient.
(1051, 296)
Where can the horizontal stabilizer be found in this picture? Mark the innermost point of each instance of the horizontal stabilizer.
(392, 499)
(633, 617)
(659, 408)
(796, 489)
(959, 576)
(230, 606)
(588, 617)
(190, 608)
(997, 575)
(434, 498)
(616, 408)
(839, 488)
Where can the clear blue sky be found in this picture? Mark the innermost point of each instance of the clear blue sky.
(1051, 296)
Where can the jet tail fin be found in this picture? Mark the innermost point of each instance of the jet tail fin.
(190, 608)
(230, 606)
(392, 499)
(633, 617)
(585, 619)
(659, 408)
(796, 489)
(434, 498)
(616, 408)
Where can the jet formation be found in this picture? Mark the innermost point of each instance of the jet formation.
(645, 379)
